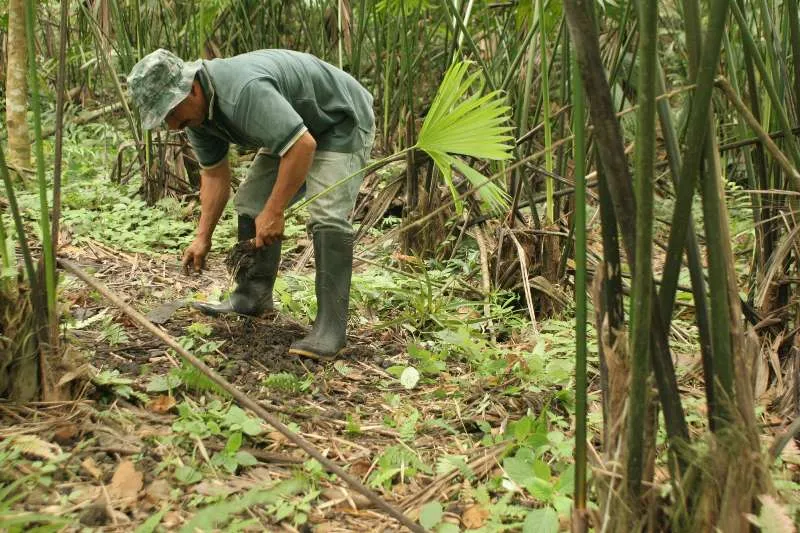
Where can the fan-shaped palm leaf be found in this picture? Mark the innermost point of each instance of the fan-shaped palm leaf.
(462, 122)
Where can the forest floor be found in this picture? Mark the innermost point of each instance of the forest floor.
(455, 410)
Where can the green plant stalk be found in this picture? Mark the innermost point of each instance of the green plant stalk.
(355, 65)
(643, 265)
(750, 172)
(777, 102)
(695, 138)
(487, 74)
(794, 38)
(22, 237)
(524, 110)
(775, 57)
(512, 69)
(386, 84)
(44, 210)
(579, 152)
(340, 36)
(548, 134)
(580, 21)
(718, 286)
(692, 252)
(766, 244)
(5, 258)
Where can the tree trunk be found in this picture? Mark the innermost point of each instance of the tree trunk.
(19, 144)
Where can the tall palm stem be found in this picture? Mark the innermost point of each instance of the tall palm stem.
(548, 135)
(643, 265)
(695, 138)
(612, 155)
(693, 256)
(579, 152)
(766, 80)
(44, 209)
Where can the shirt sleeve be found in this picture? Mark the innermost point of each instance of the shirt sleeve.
(268, 118)
(210, 150)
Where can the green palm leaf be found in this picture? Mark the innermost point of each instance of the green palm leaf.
(462, 122)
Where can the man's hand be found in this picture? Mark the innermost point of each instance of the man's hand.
(269, 227)
(195, 255)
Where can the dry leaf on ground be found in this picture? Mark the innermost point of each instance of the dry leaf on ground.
(65, 433)
(91, 467)
(157, 491)
(33, 446)
(126, 484)
(162, 404)
(474, 517)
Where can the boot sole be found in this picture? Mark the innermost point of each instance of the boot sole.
(313, 355)
(209, 311)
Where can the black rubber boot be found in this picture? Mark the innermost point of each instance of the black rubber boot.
(333, 254)
(254, 279)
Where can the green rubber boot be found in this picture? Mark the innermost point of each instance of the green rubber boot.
(254, 278)
(333, 253)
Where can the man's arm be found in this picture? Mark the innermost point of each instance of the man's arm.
(292, 172)
(215, 184)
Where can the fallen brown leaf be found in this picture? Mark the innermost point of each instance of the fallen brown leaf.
(65, 433)
(91, 467)
(157, 491)
(360, 467)
(474, 517)
(162, 404)
(126, 484)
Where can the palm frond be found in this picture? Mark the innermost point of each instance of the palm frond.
(461, 121)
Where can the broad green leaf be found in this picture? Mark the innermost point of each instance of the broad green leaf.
(245, 459)
(431, 514)
(544, 520)
(187, 475)
(237, 417)
(541, 490)
(410, 377)
(164, 383)
(519, 471)
(234, 443)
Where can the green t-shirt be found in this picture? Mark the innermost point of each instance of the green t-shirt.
(267, 99)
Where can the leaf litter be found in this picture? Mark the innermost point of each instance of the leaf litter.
(434, 438)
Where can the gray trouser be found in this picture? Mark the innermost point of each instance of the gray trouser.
(332, 210)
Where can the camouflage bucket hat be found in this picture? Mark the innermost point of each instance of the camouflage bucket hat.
(159, 82)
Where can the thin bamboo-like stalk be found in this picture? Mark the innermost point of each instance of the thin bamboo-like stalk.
(57, 156)
(579, 155)
(5, 257)
(793, 17)
(548, 135)
(44, 209)
(734, 57)
(22, 238)
(612, 154)
(767, 83)
(643, 264)
(717, 267)
(695, 138)
(693, 256)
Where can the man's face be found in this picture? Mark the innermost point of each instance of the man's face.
(190, 112)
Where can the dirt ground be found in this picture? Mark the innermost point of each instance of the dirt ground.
(101, 434)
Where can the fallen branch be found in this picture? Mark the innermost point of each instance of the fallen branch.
(240, 397)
